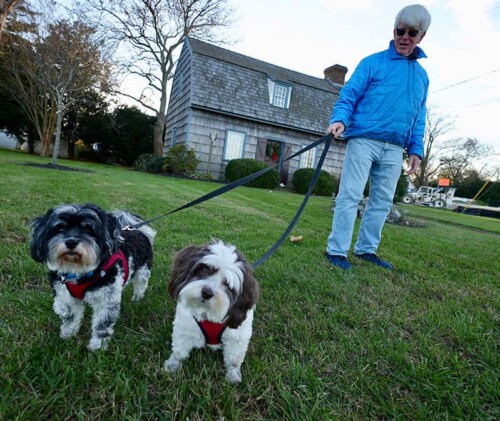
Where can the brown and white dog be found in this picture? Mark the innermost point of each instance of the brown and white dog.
(216, 295)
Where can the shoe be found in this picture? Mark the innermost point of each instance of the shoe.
(338, 261)
(373, 258)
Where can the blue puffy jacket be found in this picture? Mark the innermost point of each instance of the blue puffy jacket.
(385, 100)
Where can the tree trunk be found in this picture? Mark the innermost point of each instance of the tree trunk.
(45, 147)
(158, 135)
(7, 9)
(55, 152)
(160, 118)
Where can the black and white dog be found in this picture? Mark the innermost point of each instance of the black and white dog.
(216, 295)
(90, 258)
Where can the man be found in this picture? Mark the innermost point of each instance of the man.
(382, 110)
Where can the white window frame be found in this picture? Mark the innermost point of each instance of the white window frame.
(279, 93)
(308, 158)
(234, 145)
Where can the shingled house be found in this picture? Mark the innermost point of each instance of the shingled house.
(225, 106)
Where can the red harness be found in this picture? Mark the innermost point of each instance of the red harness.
(212, 331)
(78, 290)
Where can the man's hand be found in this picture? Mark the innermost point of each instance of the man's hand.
(336, 129)
(413, 164)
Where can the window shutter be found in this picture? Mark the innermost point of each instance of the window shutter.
(260, 153)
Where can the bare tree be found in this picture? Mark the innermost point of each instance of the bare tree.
(47, 75)
(436, 127)
(151, 31)
(459, 157)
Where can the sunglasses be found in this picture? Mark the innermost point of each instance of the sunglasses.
(411, 32)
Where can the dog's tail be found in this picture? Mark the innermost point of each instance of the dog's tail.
(125, 218)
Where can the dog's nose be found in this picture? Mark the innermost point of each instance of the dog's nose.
(206, 293)
(71, 243)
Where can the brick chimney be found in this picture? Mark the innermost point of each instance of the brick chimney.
(336, 73)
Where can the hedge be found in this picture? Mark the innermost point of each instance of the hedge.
(325, 185)
(239, 168)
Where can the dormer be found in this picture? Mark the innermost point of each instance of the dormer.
(279, 93)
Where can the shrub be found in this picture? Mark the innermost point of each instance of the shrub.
(149, 162)
(239, 168)
(180, 160)
(325, 185)
(89, 155)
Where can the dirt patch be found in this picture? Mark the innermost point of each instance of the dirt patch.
(54, 167)
(405, 222)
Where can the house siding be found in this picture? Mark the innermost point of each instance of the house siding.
(179, 105)
(204, 123)
(63, 149)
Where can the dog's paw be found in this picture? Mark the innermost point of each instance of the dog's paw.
(97, 344)
(171, 365)
(67, 333)
(137, 297)
(233, 374)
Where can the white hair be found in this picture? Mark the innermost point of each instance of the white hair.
(415, 16)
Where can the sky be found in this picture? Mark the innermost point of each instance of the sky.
(462, 45)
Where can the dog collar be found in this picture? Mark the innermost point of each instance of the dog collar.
(212, 331)
(78, 290)
(73, 276)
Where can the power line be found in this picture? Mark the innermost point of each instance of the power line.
(483, 103)
(466, 80)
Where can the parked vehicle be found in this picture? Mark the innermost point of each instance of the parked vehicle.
(438, 197)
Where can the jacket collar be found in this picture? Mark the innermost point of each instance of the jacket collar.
(393, 54)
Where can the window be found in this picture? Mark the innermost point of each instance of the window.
(234, 145)
(308, 158)
(279, 94)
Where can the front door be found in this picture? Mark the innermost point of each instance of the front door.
(273, 152)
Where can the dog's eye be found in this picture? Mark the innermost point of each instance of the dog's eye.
(200, 270)
(89, 229)
(59, 227)
(203, 271)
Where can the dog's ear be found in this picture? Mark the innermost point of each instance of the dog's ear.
(38, 237)
(112, 231)
(184, 262)
(245, 300)
(109, 227)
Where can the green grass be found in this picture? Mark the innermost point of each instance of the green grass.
(420, 342)
(448, 216)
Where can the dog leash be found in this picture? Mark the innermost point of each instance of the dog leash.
(327, 139)
(230, 186)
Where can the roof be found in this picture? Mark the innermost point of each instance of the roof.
(232, 83)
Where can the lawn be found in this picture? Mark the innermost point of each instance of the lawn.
(420, 342)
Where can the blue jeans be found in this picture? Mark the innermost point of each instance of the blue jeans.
(364, 158)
